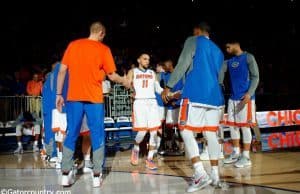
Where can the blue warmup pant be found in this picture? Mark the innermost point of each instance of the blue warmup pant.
(95, 121)
(49, 139)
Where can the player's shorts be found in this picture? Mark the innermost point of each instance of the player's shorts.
(244, 118)
(172, 117)
(162, 113)
(198, 118)
(84, 130)
(59, 124)
(145, 115)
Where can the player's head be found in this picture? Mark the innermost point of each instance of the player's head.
(201, 29)
(98, 30)
(35, 77)
(143, 60)
(168, 65)
(159, 67)
(233, 46)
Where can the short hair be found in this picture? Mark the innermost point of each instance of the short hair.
(233, 39)
(203, 26)
(96, 27)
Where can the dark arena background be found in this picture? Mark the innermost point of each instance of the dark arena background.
(35, 36)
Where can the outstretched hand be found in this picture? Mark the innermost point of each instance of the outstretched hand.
(59, 102)
(165, 95)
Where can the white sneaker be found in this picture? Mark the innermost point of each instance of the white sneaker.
(221, 156)
(97, 181)
(58, 164)
(204, 155)
(233, 157)
(199, 183)
(215, 179)
(88, 166)
(68, 180)
(53, 159)
(243, 162)
(19, 150)
(35, 148)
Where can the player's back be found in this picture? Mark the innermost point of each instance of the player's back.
(144, 83)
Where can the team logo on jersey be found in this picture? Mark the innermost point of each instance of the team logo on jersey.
(235, 64)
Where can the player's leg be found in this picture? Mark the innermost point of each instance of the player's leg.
(86, 146)
(95, 121)
(247, 117)
(153, 125)
(212, 122)
(74, 117)
(190, 121)
(139, 123)
(234, 132)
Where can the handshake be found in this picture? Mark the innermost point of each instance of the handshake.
(168, 96)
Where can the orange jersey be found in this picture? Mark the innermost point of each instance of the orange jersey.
(87, 61)
(34, 88)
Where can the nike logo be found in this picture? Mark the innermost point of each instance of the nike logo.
(198, 180)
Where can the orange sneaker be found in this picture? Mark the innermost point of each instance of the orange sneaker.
(150, 164)
(134, 157)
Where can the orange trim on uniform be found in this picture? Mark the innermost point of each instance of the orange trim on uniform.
(183, 110)
(56, 129)
(235, 124)
(63, 132)
(249, 111)
(146, 128)
(199, 129)
(85, 133)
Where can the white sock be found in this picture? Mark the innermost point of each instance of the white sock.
(136, 147)
(87, 157)
(199, 169)
(236, 150)
(246, 154)
(59, 155)
(57, 151)
(150, 154)
(20, 144)
(215, 170)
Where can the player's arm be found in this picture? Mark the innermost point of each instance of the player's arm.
(60, 83)
(184, 62)
(157, 87)
(254, 74)
(254, 79)
(222, 72)
(109, 68)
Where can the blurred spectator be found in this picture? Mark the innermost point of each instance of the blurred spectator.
(34, 89)
(27, 124)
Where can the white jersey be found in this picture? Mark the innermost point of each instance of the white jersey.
(144, 83)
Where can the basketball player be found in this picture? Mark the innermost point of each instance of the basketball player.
(244, 78)
(84, 59)
(172, 107)
(200, 61)
(145, 109)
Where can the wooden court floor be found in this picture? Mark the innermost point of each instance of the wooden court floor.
(275, 170)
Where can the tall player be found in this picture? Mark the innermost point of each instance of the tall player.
(244, 78)
(200, 62)
(84, 59)
(145, 109)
